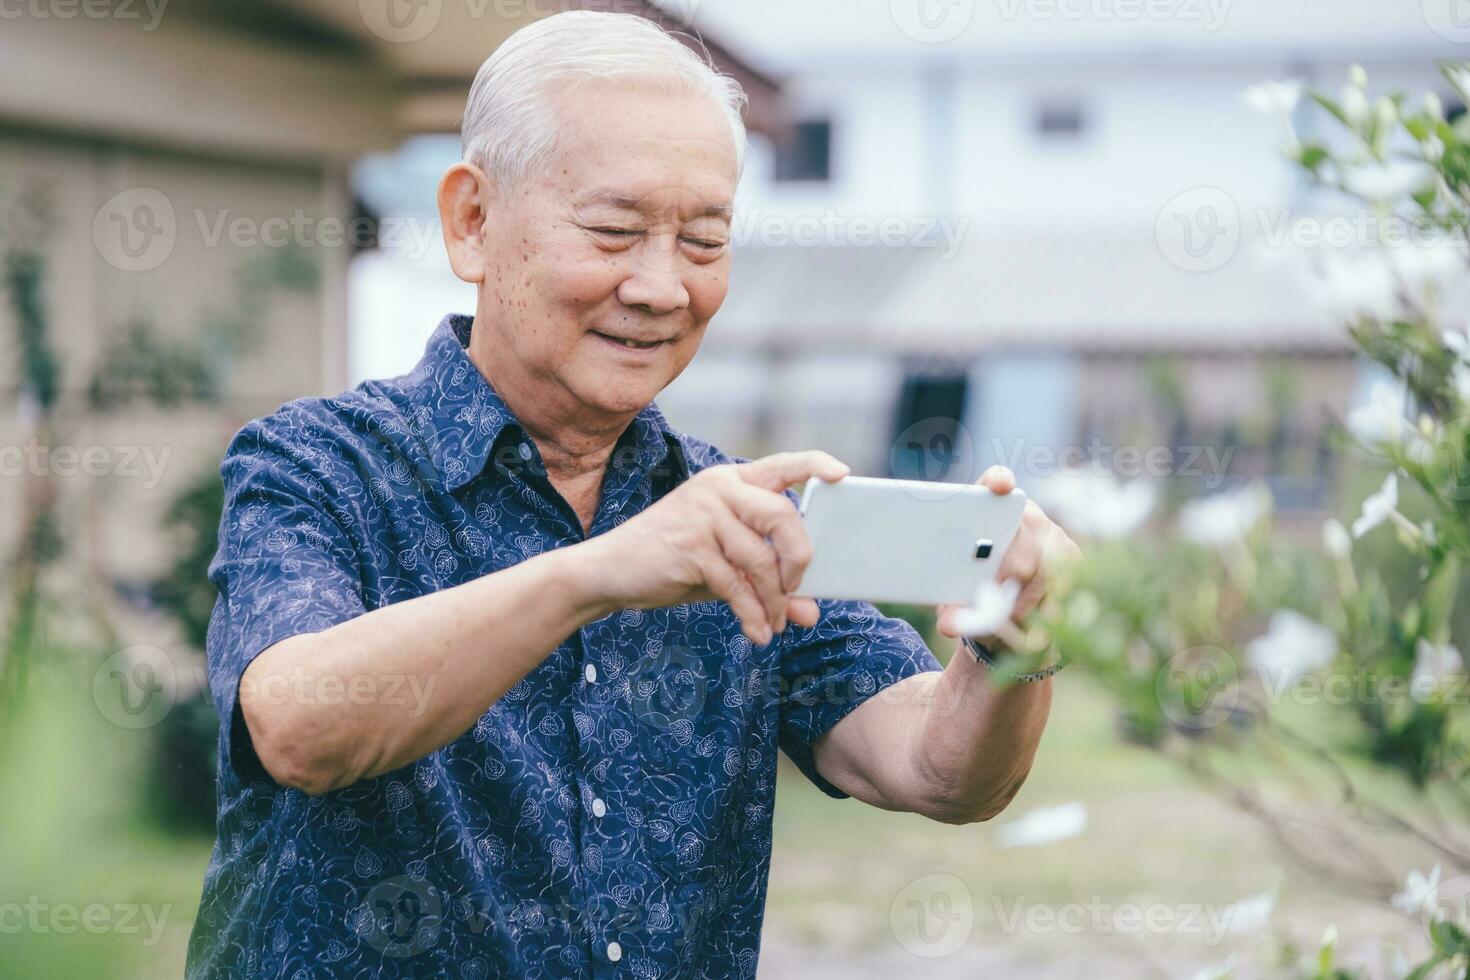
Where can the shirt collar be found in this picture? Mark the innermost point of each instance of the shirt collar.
(461, 418)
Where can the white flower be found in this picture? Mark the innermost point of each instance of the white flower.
(1219, 971)
(1386, 181)
(1096, 505)
(1349, 287)
(1381, 420)
(1335, 538)
(1458, 341)
(1273, 97)
(1459, 76)
(1249, 914)
(1438, 263)
(1225, 517)
(1293, 645)
(1434, 662)
(1354, 104)
(1357, 76)
(1460, 378)
(990, 609)
(1420, 893)
(1045, 825)
(1378, 506)
(1433, 107)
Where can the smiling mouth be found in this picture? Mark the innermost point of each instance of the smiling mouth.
(629, 344)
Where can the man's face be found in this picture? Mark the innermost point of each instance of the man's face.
(623, 236)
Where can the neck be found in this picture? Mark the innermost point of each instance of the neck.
(575, 444)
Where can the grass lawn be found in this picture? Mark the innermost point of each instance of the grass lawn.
(843, 878)
(1157, 842)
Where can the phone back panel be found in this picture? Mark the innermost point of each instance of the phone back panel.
(905, 540)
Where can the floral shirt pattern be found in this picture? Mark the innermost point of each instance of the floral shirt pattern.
(609, 816)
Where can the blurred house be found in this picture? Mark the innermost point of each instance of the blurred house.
(1090, 250)
(1026, 232)
(179, 172)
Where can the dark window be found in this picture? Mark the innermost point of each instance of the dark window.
(806, 152)
(930, 407)
(1060, 120)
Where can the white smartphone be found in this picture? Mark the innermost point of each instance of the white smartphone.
(905, 540)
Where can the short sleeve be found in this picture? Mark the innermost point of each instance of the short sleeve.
(285, 565)
(852, 653)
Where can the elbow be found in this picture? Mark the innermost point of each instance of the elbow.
(957, 810)
(290, 752)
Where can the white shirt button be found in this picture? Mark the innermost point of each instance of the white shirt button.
(525, 451)
(591, 674)
(614, 952)
(599, 808)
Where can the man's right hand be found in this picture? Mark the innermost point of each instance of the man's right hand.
(729, 532)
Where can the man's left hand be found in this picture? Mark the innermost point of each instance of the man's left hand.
(1039, 548)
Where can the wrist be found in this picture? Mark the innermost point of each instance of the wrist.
(577, 576)
(994, 653)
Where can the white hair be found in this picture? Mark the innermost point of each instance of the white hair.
(509, 123)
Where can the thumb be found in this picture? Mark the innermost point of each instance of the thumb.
(998, 479)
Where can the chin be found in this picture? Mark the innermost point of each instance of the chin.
(619, 396)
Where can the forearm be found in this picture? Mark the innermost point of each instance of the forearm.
(974, 744)
(946, 744)
(397, 683)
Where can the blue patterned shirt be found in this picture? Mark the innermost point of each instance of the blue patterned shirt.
(609, 816)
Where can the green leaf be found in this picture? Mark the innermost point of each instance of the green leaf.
(1331, 107)
(1312, 155)
(1448, 937)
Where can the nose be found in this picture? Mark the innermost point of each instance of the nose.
(655, 283)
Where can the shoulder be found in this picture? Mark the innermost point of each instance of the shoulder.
(702, 455)
(309, 430)
(328, 442)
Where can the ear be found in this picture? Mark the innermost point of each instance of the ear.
(465, 194)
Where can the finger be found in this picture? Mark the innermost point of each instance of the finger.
(998, 479)
(804, 612)
(1029, 598)
(728, 583)
(753, 556)
(945, 623)
(781, 470)
(774, 516)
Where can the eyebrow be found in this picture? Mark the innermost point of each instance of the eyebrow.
(625, 203)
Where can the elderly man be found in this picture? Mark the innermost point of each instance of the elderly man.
(502, 660)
